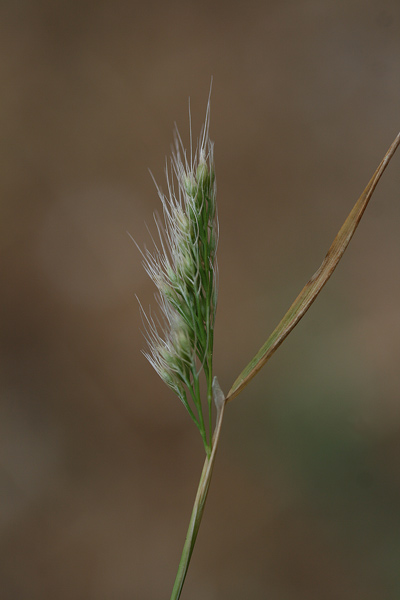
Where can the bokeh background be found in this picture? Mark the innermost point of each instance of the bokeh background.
(99, 462)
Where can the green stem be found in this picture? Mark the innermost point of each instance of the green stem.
(197, 512)
(197, 398)
(209, 379)
(188, 408)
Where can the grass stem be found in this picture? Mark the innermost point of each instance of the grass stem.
(198, 509)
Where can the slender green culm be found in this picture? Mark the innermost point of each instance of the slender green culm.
(183, 267)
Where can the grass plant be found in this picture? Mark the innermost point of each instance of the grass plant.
(182, 264)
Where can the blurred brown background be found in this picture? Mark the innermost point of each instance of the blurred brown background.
(99, 462)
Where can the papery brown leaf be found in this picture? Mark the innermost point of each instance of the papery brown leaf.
(311, 290)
